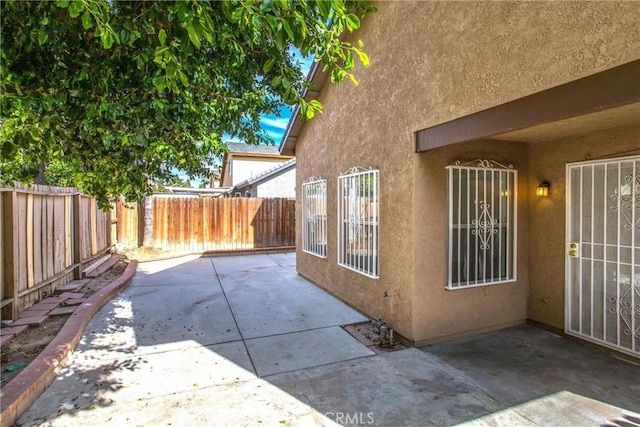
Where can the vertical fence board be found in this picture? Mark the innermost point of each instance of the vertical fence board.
(190, 224)
(11, 254)
(92, 228)
(29, 240)
(38, 273)
(68, 253)
(58, 232)
(22, 243)
(3, 238)
(44, 232)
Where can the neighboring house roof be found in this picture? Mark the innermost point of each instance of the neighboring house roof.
(317, 77)
(241, 147)
(265, 176)
(193, 191)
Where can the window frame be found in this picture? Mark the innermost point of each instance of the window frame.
(350, 226)
(481, 224)
(316, 248)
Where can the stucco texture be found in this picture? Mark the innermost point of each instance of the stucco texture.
(547, 162)
(439, 313)
(432, 62)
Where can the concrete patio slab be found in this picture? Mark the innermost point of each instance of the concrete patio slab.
(306, 349)
(559, 409)
(235, 352)
(522, 363)
(187, 312)
(85, 383)
(269, 301)
(190, 270)
(250, 403)
(286, 260)
(145, 318)
(236, 265)
(403, 388)
(137, 365)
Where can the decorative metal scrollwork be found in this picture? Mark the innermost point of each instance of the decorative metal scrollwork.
(485, 164)
(313, 179)
(357, 169)
(627, 197)
(485, 226)
(623, 305)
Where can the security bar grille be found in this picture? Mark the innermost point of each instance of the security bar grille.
(314, 217)
(358, 209)
(482, 216)
(603, 253)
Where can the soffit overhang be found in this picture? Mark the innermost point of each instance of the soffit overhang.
(607, 99)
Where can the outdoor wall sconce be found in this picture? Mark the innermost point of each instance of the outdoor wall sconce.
(542, 190)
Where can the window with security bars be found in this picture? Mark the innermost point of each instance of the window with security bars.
(314, 217)
(358, 210)
(482, 217)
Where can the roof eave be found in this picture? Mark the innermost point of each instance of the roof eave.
(317, 77)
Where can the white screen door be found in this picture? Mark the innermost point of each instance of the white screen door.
(603, 253)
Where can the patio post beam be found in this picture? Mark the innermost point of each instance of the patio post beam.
(611, 88)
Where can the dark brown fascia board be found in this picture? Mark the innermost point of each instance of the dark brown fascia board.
(261, 155)
(611, 88)
(317, 77)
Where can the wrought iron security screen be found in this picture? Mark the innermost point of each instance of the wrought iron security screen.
(358, 207)
(603, 253)
(482, 215)
(314, 217)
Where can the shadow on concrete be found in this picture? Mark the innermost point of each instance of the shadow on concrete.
(245, 340)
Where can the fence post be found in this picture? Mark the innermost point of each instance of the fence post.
(147, 234)
(78, 240)
(119, 220)
(10, 249)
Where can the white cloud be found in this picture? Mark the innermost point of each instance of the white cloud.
(278, 122)
(275, 135)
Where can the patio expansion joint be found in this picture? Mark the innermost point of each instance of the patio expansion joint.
(295, 332)
(280, 265)
(318, 366)
(464, 377)
(224, 293)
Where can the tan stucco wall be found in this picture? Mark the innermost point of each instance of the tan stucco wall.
(432, 62)
(439, 313)
(547, 254)
(347, 127)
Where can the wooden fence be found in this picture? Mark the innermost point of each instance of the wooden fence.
(192, 224)
(48, 234)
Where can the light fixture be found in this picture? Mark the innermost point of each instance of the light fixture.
(542, 190)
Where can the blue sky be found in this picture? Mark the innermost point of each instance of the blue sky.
(275, 126)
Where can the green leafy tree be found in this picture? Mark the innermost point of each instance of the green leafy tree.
(124, 93)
